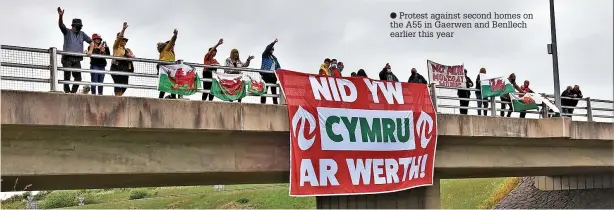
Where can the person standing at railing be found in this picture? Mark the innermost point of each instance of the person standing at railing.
(269, 64)
(120, 50)
(324, 68)
(386, 74)
(362, 73)
(566, 101)
(73, 42)
(167, 53)
(98, 47)
(577, 94)
(415, 77)
(478, 94)
(208, 72)
(235, 61)
(525, 89)
(465, 94)
(333, 69)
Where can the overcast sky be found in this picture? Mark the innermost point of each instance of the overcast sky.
(353, 31)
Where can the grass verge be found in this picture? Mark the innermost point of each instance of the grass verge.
(455, 194)
(500, 193)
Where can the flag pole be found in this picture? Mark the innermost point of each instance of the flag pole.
(555, 58)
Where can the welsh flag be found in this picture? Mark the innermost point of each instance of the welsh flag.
(524, 102)
(256, 86)
(495, 86)
(179, 79)
(228, 87)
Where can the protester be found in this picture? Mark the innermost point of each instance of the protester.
(415, 77)
(340, 66)
(235, 61)
(525, 89)
(566, 101)
(387, 75)
(353, 74)
(333, 69)
(167, 53)
(506, 97)
(208, 72)
(324, 68)
(120, 50)
(100, 48)
(577, 94)
(73, 42)
(478, 94)
(464, 93)
(361, 73)
(270, 64)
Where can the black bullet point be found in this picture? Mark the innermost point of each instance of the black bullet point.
(393, 15)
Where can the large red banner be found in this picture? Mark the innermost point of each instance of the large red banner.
(355, 135)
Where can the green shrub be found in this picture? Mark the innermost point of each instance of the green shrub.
(41, 195)
(138, 194)
(59, 199)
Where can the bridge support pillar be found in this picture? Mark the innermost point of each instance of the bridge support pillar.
(575, 182)
(418, 198)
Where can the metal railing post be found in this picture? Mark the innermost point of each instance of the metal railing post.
(493, 106)
(282, 97)
(433, 89)
(589, 110)
(53, 69)
(545, 110)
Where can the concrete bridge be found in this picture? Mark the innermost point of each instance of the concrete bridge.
(67, 141)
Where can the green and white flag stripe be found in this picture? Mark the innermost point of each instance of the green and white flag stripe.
(525, 102)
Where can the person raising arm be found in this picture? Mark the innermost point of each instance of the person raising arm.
(208, 72)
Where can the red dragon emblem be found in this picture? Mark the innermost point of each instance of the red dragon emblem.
(497, 85)
(181, 79)
(257, 86)
(232, 86)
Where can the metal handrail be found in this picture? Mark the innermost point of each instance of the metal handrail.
(53, 68)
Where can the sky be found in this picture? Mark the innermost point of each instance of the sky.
(355, 32)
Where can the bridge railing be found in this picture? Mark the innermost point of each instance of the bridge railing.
(35, 69)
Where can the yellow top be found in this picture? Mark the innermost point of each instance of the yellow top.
(168, 53)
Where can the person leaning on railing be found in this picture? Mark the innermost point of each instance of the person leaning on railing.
(235, 61)
(506, 97)
(98, 47)
(269, 64)
(167, 53)
(73, 42)
(208, 72)
(120, 50)
(525, 89)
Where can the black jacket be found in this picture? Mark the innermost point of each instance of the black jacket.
(100, 61)
(478, 85)
(466, 93)
(417, 78)
(383, 75)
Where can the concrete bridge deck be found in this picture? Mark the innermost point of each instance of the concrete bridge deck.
(64, 141)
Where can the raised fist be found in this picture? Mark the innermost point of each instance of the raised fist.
(60, 11)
